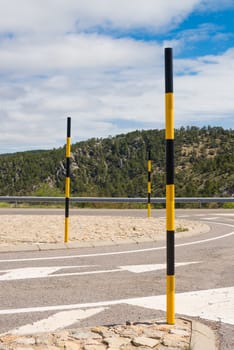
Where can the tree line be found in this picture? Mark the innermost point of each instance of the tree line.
(117, 166)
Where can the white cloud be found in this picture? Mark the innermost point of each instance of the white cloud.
(50, 16)
(51, 68)
(73, 52)
(206, 92)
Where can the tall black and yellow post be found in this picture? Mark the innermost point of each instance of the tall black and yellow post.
(67, 183)
(170, 188)
(149, 185)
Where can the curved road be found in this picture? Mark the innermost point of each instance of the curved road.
(42, 291)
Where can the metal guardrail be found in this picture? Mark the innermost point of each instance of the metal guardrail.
(31, 199)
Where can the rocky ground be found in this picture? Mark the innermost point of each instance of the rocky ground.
(142, 336)
(50, 229)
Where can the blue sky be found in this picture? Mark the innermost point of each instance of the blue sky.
(101, 63)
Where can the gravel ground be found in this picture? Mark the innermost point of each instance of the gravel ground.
(17, 229)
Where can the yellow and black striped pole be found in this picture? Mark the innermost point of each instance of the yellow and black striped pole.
(170, 188)
(149, 185)
(67, 184)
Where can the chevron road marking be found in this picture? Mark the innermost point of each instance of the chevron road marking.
(46, 272)
(57, 321)
(34, 272)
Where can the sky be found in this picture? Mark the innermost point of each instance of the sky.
(101, 62)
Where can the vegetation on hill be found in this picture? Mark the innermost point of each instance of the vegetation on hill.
(117, 166)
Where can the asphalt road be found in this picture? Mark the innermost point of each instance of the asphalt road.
(119, 283)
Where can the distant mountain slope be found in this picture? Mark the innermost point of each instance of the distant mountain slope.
(117, 166)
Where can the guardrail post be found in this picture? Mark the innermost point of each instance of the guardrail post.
(67, 183)
(170, 190)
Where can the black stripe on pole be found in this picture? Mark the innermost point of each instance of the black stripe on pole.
(149, 176)
(66, 207)
(168, 70)
(170, 253)
(149, 154)
(67, 167)
(169, 162)
(69, 127)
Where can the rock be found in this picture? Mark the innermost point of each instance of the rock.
(104, 331)
(25, 341)
(130, 332)
(7, 338)
(62, 335)
(116, 342)
(86, 335)
(44, 339)
(94, 347)
(152, 333)
(143, 341)
(180, 332)
(128, 347)
(70, 345)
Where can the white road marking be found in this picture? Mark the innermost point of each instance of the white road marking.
(212, 218)
(224, 214)
(153, 267)
(125, 251)
(57, 321)
(212, 304)
(33, 272)
(45, 272)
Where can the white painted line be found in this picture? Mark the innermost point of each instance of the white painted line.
(212, 218)
(224, 214)
(212, 304)
(125, 251)
(57, 321)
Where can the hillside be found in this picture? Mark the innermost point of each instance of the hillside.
(117, 166)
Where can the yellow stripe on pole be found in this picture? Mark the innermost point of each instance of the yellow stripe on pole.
(67, 187)
(170, 207)
(66, 229)
(68, 147)
(169, 103)
(171, 299)
(149, 165)
(149, 187)
(149, 210)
